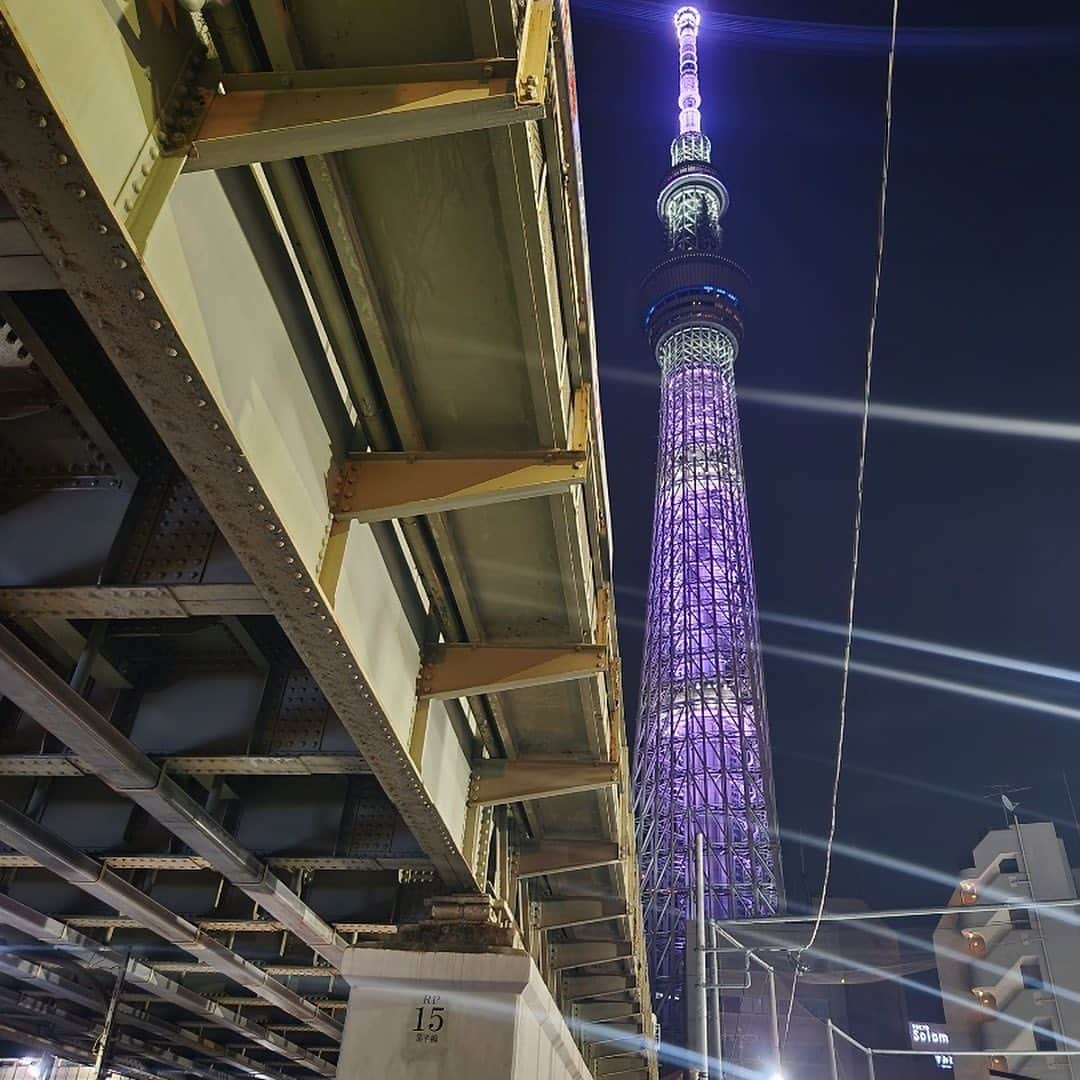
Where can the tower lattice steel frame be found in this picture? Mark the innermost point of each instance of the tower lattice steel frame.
(702, 762)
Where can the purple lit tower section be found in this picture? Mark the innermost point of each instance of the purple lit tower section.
(702, 762)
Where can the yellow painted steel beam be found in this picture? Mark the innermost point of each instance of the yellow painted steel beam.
(296, 114)
(383, 486)
(576, 911)
(562, 855)
(531, 82)
(453, 671)
(495, 783)
(580, 954)
(132, 601)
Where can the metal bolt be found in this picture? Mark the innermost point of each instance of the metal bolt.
(39, 120)
(103, 229)
(61, 159)
(119, 263)
(201, 403)
(17, 81)
(78, 192)
(170, 351)
(138, 294)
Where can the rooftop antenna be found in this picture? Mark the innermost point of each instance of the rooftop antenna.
(1002, 794)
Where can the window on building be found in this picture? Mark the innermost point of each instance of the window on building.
(1020, 919)
(1031, 973)
(1008, 866)
(1044, 1037)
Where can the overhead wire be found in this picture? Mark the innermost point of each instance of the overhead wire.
(856, 543)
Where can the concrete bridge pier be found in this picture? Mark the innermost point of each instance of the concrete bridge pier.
(453, 999)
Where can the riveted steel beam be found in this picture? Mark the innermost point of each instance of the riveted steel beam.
(103, 884)
(499, 782)
(560, 856)
(602, 1012)
(383, 486)
(177, 862)
(281, 115)
(267, 765)
(150, 317)
(127, 1015)
(22, 266)
(94, 955)
(622, 1065)
(580, 954)
(562, 912)
(576, 987)
(453, 671)
(197, 765)
(218, 926)
(609, 1032)
(189, 967)
(36, 689)
(65, 643)
(132, 601)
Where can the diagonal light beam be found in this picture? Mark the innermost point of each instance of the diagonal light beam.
(934, 648)
(931, 682)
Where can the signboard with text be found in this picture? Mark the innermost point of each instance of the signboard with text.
(926, 1036)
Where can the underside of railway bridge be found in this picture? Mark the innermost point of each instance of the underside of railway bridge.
(312, 755)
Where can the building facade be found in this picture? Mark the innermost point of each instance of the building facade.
(702, 762)
(1010, 978)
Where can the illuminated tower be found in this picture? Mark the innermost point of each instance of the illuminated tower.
(702, 756)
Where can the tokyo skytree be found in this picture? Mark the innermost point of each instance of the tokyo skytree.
(702, 761)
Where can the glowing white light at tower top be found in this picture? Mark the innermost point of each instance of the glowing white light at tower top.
(687, 22)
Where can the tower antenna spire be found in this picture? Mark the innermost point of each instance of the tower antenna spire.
(687, 24)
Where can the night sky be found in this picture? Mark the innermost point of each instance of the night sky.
(970, 538)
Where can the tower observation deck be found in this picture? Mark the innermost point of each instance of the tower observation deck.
(702, 762)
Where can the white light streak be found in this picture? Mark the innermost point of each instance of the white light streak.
(918, 415)
(982, 423)
(931, 682)
(934, 648)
